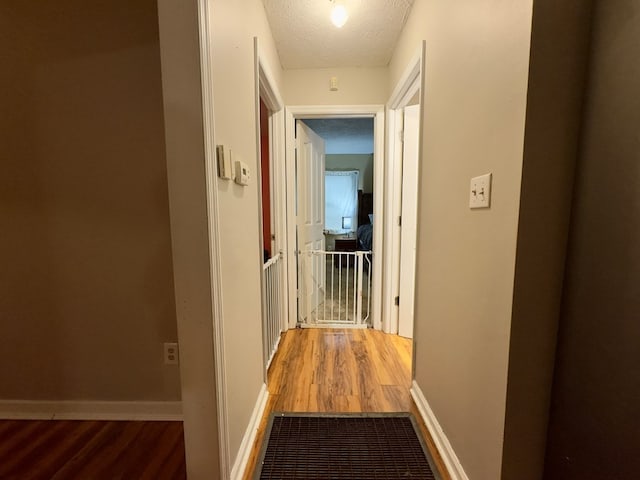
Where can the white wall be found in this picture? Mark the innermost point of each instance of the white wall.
(474, 112)
(235, 24)
(356, 86)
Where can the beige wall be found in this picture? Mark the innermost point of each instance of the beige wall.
(362, 163)
(86, 287)
(356, 86)
(475, 95)
(235, 24)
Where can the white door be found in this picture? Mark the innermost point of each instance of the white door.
(408, 232)
(309, 219)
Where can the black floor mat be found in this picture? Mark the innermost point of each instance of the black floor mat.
(343, 446)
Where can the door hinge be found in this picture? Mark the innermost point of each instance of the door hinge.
(397, 300)
(400, 220)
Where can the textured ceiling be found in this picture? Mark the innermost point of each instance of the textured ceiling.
(306, 38)
(344, 135)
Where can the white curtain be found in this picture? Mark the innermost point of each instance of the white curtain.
(341, 201)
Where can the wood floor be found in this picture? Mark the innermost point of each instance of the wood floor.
(96, 450)
(336, 370)
(314, 370)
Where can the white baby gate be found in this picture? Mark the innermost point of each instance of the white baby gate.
(334, 288)
(272, 307)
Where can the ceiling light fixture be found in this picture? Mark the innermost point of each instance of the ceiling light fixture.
(339, 14)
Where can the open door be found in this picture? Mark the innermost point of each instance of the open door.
(409, 230)
(309, 219)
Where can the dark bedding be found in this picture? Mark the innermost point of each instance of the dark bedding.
(365, 236)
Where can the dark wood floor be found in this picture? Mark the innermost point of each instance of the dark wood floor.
(95, 450)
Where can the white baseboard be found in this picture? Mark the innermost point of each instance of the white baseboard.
(89, 410)
(449, 457)
(240, 465)
(274, 350)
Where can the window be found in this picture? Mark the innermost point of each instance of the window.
(341, 201)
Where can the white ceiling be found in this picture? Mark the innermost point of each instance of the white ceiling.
(306, 38)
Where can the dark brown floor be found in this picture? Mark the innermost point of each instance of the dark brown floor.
(95, 450)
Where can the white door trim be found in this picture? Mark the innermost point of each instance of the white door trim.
(215, 254)
(332, 111)
(266, 88)
(185, 37)
(409, 84)
(409, 207)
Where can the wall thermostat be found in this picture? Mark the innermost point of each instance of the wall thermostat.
(242, 173)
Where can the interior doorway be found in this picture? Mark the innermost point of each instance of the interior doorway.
(273, 238)
(404, 114)
(313, 269)
(334, 168)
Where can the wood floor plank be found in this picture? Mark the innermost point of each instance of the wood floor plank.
(40, 441)
(403, 348)
(85, 460)
(170, 455)
(19, 439)
(75, 435)
(7, 428)
(339, 370)
(96, 450)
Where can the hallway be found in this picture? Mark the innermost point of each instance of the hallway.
(340, 370)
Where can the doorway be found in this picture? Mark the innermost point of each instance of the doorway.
(316, 268)
(270, 128)
(404, 115)
(338, 276)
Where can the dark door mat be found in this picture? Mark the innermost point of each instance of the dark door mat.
(385, 446)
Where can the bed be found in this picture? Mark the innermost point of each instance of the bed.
(364, 233)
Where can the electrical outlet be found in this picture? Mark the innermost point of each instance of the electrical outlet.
(171, 353)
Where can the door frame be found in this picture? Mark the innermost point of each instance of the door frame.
(409, 215)
(293, 113)
(410, 83)
(187, 65)
(266, 88)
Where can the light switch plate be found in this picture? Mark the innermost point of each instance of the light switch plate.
(224, 162)
(480, 191)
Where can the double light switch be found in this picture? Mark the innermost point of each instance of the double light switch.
(480, 192)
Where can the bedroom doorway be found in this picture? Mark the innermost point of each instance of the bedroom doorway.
(335, 276)
(335, 281)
